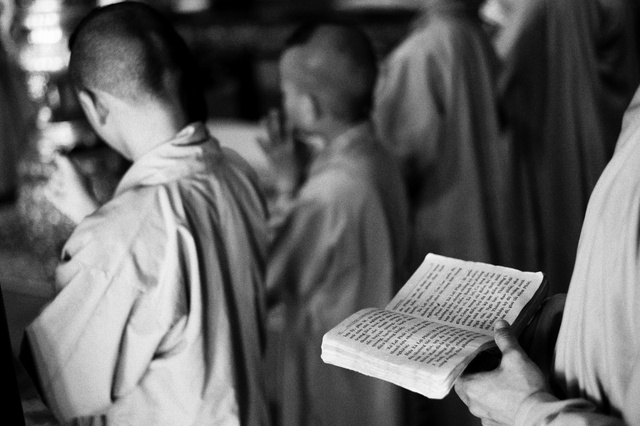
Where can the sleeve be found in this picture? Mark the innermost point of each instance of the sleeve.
(74, 342)
(545, 409)
(79, 342)
(410, 105)
(304, 242)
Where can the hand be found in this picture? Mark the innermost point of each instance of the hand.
(69, 191)
(495, 396)
(284, 152)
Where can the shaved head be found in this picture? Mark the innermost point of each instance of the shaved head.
(132, 52)
(335, 63)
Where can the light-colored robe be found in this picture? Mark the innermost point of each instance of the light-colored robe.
(159, 313)
(597, 363)
(436, 108)
(569, 71)
(335, 252)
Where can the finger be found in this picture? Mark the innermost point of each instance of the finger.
(56, 180)
(274, 126)
(63, 169)
(505, 338)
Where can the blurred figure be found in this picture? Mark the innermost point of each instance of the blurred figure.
(570, 70)
(595, 379)
(436, 108)
(159, 313)
(339, 240)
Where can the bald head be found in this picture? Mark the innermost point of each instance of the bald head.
(132, 52)
(335, 63)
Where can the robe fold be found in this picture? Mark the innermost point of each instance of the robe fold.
(436, 109)
(570, 68)
(597, 362)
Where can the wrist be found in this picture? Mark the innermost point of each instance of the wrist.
(528, 408)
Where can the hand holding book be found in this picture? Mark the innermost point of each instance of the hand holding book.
(507, 387)
(438, 322)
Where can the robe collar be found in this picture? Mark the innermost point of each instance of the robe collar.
(181, 156)
(351, 140)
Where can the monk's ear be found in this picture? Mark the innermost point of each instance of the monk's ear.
(94, 108)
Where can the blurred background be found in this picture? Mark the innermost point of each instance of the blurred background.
(237, 44)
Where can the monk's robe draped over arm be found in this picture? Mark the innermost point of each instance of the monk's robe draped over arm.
(158, 318)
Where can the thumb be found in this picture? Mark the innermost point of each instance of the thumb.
(504, 337)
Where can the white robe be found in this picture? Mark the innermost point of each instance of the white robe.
(335, 252)
(159, 312)
(597, 363)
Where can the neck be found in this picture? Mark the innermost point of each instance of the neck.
(332, 130)
(149, 126)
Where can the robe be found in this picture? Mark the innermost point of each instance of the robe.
(159, 315)
(335, 251)
(569, 71)
(436, 108)
(597, 363)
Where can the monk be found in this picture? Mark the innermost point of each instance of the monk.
(570, 68)
(158, 314)
(596, 372)
(339, 242)
(436, 109)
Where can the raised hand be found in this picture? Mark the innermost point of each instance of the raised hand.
(69, 191)
(287, 155)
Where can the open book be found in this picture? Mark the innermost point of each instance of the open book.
(437, 323)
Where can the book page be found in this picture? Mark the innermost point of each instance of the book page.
(401, 339)
(465, 294)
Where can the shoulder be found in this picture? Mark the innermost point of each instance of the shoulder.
(130, 227)
(436, 46)
(341, 188)
(436, 35)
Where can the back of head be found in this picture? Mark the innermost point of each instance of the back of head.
(132, 52)
(337, 64)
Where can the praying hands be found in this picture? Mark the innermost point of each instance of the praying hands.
(69, 191)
